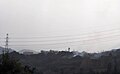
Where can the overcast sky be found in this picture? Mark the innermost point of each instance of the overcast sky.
(95, 19)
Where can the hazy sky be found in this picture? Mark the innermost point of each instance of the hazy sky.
(69, 20)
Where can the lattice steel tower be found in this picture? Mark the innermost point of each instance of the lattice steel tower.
(6, 43)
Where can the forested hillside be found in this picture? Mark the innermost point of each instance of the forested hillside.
(64, 62)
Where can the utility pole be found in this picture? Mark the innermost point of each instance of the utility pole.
(6, 43)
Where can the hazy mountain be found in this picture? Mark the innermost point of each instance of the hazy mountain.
(28, 50)
(1, 50)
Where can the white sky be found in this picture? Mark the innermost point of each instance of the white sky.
(39, 18)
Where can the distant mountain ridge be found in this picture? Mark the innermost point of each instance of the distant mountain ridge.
(1, 50)
(97, 55)
(27, 50)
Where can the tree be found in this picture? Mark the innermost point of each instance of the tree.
(12, 66)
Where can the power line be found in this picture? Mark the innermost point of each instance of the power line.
(68, 39)
(66, 42)
(85, 39)
(59, 43)
(104, 31)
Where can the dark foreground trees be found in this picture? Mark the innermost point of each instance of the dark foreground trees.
(12, 66)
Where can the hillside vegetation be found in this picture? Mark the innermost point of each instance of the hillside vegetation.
(65, 62)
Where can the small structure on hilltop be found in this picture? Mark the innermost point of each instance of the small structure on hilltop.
(27, 53)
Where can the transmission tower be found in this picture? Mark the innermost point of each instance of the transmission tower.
(6, 43)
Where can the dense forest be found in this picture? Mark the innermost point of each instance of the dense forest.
(60, 62)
